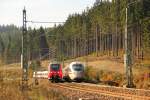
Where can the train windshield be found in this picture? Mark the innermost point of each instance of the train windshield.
(78, 67)
(55, 67)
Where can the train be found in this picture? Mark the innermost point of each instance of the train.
(55, 72)
(40, 74)
(74, 72)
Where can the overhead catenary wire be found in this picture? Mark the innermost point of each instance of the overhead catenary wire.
(45, 22)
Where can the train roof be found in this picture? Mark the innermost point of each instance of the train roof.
(54, 63)
(77, 62)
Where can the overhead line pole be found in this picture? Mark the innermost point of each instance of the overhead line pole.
(24, 60)
(128, 52)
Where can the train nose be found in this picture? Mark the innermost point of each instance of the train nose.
(78, 74)
(55, 73)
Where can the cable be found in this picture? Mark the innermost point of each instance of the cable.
(44, 22)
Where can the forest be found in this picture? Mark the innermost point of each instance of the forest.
(99, 30)
(11, 43)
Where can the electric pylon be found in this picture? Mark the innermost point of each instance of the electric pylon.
(24, 53)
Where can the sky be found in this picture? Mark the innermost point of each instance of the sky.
(40, 10)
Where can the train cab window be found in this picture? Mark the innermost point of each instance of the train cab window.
(78, 67)
(55, 67)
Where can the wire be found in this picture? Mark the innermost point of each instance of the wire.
(44, 22)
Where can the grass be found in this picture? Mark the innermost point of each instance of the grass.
(43, 92)
(141, 79)
(10, 89)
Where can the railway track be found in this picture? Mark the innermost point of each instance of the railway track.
(75, 91)
(139, 92)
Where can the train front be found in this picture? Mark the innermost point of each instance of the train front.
(77, 71)
(55, 72)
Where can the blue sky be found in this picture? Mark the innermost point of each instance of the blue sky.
(40, 10)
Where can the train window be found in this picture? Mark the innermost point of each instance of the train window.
(78, 67)
(55, 67)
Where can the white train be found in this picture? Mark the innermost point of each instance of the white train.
(40, 74)
(74, 72)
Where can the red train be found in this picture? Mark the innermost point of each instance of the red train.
(55, 72)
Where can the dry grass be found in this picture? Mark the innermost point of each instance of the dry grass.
(141, 79)
(10, 86)
(107, 65)
(10, 91)
(43, 92)
(104, 76)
